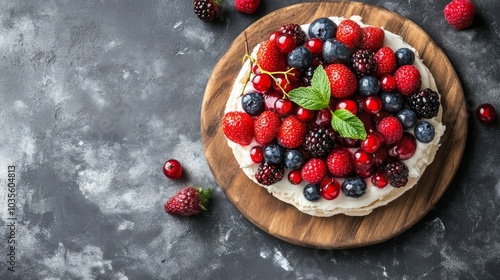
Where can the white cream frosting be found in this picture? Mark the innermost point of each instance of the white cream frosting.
(374, 197)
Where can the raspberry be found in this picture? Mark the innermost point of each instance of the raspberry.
(207, 10)
(343, 82)
(349, 33)
(247, 6)
(408, 80)
(339, 162)
(318, 142)
(391, 129)
(424, 103)
(386, 61)
(397, 173)
(372, 38)
(292, 133)
(363, 62)
(314, 171)
(296, 31)
(188, 202)
(266, 127)
(268, 174)
(459, 13)
(238, 127)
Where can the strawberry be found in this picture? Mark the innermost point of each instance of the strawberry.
(339, 162)
(247, 6)
(270, 58)
(343, 82)
(391, 129)
(459, 13)
(188, 201)
(372, 38)
(292, 133)
(408, 80)
(314, 171)
(238, 127)
(386, 61)
(266, 127)
(349, 33)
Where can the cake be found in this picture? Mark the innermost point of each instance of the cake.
(284, 139)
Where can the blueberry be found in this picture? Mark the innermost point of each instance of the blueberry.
(407, 118)
(354, 186)
(300, 58)
(323, 28)
(368, 85)
(293, 159)
(311, 192)
(253, 103)
(404, 56)
(392, 102)
(424, 132)
(273, 153)
(335, 51)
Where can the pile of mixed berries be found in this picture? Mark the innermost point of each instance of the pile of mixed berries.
(373, 83)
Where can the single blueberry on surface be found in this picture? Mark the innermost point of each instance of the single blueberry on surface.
(404, 56)
(300, 58)
(392, 102)
(273, 153)
(424, 132)
(293, 159)
(407, 118)
(335, 51)
(323, 28)
(368, 86)
(311, 192)
(354, 186)
(253, 103)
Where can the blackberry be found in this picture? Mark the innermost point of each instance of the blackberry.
(319, 142)
(297, 33)
(268, 174)
(397, 173)
(363, 62)
(307, 75)
(424, 103)
(206, 10)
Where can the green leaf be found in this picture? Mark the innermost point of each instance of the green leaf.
(321, 83)
(309, 98)
(348, 125)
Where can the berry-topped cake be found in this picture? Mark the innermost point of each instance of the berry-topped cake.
(334, 117)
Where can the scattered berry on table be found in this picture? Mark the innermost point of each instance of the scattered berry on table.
(273, 153)
(312, 192)
(392, 101)
(238, 127)
(172, 169)
(293, 159)
(339, 162)
(335, 51)
(295, 31)
(363, 62)
(188, 201)
(206, 10)
(253, 103)
(268, 173)
(424, 132)
(292, 133)
(314, 171)
(300, 58)
(486, 113)
(408, 80)
(459, 13)
(323, 28)
(246, 6)
(372, 38)
(397, 173)
(424, 103)
(349, 33)
(270, 58)
(319, 142)
(295, 177)
(329, 188)
(404, 56)
(390, 128)
(266, 127)
(343, 82)
(354, 186)
(407, 117)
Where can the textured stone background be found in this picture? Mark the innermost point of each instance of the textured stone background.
(96, 95)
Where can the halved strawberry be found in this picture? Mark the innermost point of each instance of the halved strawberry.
(292, 133)
(238, 127)
(266, 127)
(372, 38)
(270, 58)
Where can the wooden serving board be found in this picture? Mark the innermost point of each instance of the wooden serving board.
(285, 221)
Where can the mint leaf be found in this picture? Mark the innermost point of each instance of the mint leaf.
(308, 98)
(321, 83)
(348, 125)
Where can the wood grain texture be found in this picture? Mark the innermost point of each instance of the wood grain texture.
(285, 221)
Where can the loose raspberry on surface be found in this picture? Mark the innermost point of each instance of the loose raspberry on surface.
(339, 162)
(238, 127)
(391, 129)
(266, 127)
(349, 33)
(408, 80)
(188, 201)
(372, 38)
(292, 133)
(247, 6)
(270, 58)
(314, 171)
(343, 82)
(459, 13)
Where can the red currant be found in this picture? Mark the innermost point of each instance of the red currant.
(315, 45)
(387, 83)
(379, 179)
(269, 100)
(364, 173)
(286, 43)
(294, 75)
(348, 104)
(283, 107)
(295, 177)
(371, 143)
(372, 105)
(257, 154)
(304, 115)
(255, 69)
(323, 118)
(172, 169)
(262, 82)
(486, 113)
(281, 83)
(363, 160)
(329, 188)
(404, 148)
(273, 37)
(381, 156)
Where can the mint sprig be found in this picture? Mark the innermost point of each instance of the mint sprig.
(317, 97)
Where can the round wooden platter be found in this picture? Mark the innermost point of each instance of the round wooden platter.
(283, 220)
